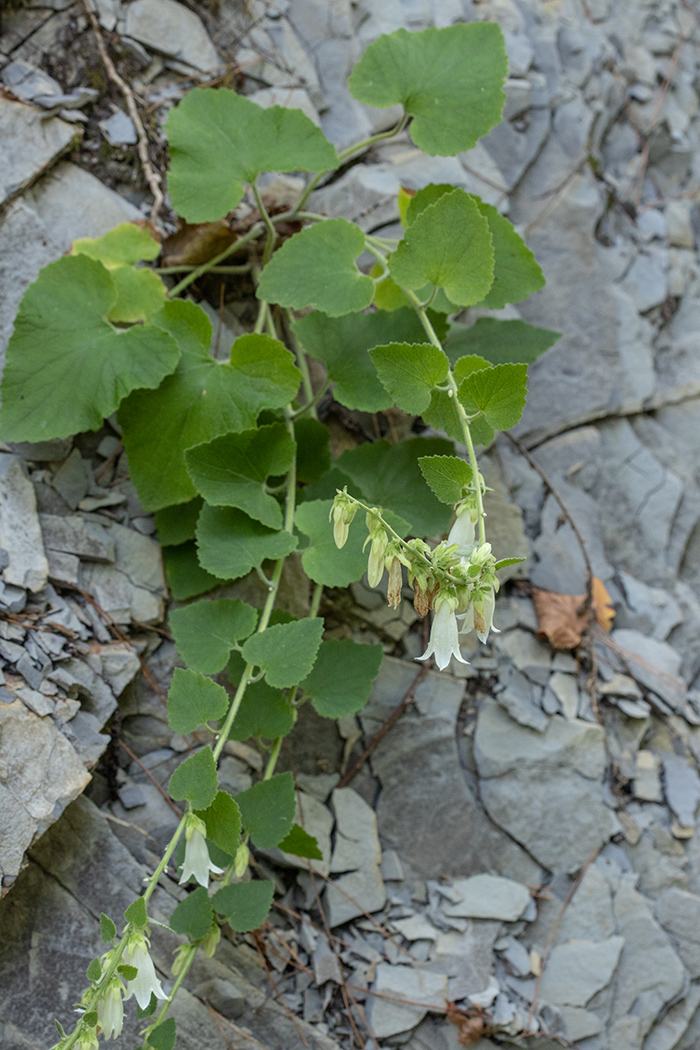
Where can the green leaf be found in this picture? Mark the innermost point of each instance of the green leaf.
(218, 140)
(322, 561)
(124, 245)
(223, 821)
(286, 652)
(164, 1035)
(342, 677)
(230, 543)
(206, 632)
(245, 905)
(149, 1010)
(422, 199)
(342, 344)
(409, 372)
(186, 577)
(136, 913)
(466, 365)
(317, 268)
(67, 366)
(94, 970)
(481, 431)
(268, 808)
(201, 401)
(498, 392)
(177, 524)
(450, 80)
(500, 342)
(231, 470)
(108, 931)
(389, 476)
(516, 272)
(301, 844)
(504, 562)
(264, 712)
(194, 915)
(313, 449)
(195, 779)
(90, 1018)
(140, 293)
(448, 476)
(129, 973)
(194, 700)
(442, 414)
(448, 246)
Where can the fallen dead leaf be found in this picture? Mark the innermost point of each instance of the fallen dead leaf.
(562, 618)
(193, 245)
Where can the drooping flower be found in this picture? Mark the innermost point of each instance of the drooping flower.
(463, 532)
(395, 583)
(110, 1009)
(146, 980)
(444, 634)
(375, 565)
(197, 863)
(342, 512)
(483, 609)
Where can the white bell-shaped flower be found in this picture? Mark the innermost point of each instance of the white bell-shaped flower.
(463, 533)
(444, 636)
(483, 610)
(110, 1009)
(197, 863)
(146, 980)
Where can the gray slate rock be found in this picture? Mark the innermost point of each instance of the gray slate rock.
(489, 897)
(20, 533)
(172, 29)
(679, 914)
(576, 971)
(388, 1017)
(545, 789)
(31, 144)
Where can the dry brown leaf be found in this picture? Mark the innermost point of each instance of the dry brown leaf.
(562, 618)
(193, 245)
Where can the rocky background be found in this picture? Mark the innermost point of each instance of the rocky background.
(522, 841)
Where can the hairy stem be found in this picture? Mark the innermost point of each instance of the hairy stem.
(252, 234)
(271, 232)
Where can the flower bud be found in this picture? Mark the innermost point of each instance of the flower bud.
(395, 583)
(375, 565)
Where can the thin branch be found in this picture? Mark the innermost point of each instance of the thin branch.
(152, 176)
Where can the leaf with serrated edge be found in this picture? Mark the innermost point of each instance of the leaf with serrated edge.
(516, 272)
(195, 780)
(164, 1035)
(136, 913)
(322, 561)
(202, 400)
(450, 80)
(186, 577)
(268, 809)
(317, 268)
(108, 931)
(176, 525)
(91, 366)
(230, 471)
(448, 246)
(409, 372)
(218, 140)
(342, 677)
(498, 392)
(468, 364)
(194, 915)
(500, 342)
(245, 905)
(194, 700)
(390, 477)
(286, 652)
(442, 414)
(342, 343)
(264, 712)
(230, 544)
(223, 822)
(206, 632)
(300, 844)
(448, 476)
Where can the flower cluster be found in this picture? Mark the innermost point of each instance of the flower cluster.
(456, 579)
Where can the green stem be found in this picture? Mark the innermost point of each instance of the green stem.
(345, 155)
(251, 235)
(316, 600)
(303, 365)
(310, 406)
(185, 965)
(169, 850)
(274, 755)
(271, 232)
(463, 419)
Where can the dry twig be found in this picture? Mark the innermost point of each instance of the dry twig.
(152, 176)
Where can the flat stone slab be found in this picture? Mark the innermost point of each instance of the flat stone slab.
(172, 29)
(31, 142)
(489, 897)
(576, 971)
